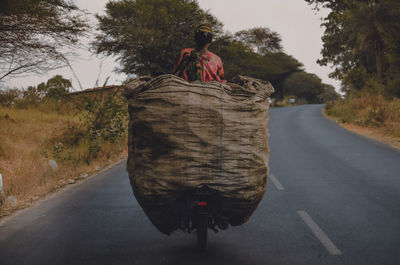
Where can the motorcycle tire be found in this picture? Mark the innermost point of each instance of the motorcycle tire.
(202, 227)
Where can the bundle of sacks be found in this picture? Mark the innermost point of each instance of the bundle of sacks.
(186, 135)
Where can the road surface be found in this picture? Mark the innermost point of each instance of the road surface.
(333, 198)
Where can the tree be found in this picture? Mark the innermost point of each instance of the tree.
(304, 85)
(240, 59)
(329, 94)
(371, 26)
(35, 33)
(361, 36)
(30, 97)
(56, 87)
(262, 40)
(147, 35)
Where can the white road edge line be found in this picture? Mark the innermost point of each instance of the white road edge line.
(276, 182)
(317, 231)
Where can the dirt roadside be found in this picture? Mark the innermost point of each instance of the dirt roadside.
(369, 132)
(8, 212)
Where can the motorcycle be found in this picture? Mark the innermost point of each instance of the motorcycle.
(201, 213)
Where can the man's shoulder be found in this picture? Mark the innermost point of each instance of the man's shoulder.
(213, 56)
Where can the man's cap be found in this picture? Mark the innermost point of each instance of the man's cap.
(204, 28)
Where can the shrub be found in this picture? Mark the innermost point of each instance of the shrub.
(102, 119)
(104, 116)
(368, 110)
(7, 97)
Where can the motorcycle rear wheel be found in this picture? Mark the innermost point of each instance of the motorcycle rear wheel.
(202, 227)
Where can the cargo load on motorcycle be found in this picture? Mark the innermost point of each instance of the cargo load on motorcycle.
(188, 135)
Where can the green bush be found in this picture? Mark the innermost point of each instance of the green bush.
(105, 117)
(102, 119)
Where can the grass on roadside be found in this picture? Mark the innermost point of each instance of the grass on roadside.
(30, 137)
(369, 111)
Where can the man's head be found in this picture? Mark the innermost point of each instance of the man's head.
(202, 35)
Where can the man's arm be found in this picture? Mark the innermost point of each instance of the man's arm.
(178, 65)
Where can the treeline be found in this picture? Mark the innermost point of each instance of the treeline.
(258, 53)
(362, 43)
(147, 37)
(56, 88)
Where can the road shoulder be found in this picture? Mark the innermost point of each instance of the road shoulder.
(368, 132)
(11, 214)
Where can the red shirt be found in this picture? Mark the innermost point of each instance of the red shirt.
(211, 64)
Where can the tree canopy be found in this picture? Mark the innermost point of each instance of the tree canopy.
(147, 35)
(304, 85)
(56, 87)
(35, 33)
(362, 42)
(260, 59)
(261, 39)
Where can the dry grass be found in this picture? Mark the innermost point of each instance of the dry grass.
(370, 115)
(26, 147)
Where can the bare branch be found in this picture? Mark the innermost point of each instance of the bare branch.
(20, 67)
(34, 34)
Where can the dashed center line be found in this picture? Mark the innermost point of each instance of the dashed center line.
(276, 182)
(317, 231)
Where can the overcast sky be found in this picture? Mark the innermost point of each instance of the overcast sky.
(294, 20)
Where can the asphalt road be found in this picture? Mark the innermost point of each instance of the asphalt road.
(333, 198)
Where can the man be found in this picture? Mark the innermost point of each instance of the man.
(199, 63)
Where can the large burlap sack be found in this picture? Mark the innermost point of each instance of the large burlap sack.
(185, 135)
